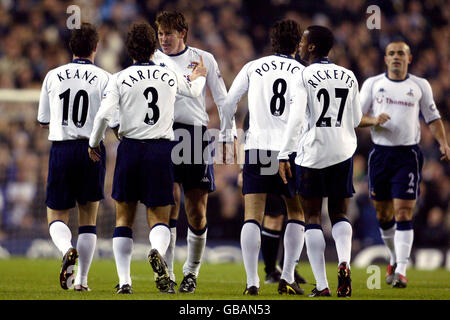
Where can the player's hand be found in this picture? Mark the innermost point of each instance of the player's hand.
(445, 152)
(240, 180)
(381, 119)
(199, 70)
(283, 169)
(94, 153)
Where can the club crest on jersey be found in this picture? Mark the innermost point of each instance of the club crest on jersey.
(192, 65)
(410, 93)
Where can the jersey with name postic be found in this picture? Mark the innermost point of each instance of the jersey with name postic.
(270, 85)
(332, 112)
(403, 101)
(70, 98)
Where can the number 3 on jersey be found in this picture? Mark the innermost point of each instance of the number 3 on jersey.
(152, 105)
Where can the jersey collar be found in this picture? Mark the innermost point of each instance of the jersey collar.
(175, 54)
(284, 56)
(148, 63)
(386, 74)
(322, 60)
(82, 61)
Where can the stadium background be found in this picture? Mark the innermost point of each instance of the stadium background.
(33, 40)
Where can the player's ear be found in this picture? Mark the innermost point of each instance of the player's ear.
(311, 47)
(410, 58)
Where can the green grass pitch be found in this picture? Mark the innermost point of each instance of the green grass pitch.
(27, 279)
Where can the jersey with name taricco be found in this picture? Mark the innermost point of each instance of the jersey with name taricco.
(270, 85)
(142, 98)
(70, 98)
(333, 112)
(192, 111)
(403, 101)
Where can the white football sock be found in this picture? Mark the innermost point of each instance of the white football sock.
(315, 248)
(61, 236)
(123, 249)
(196, 246)
(250, 245)
(85, 247)
(294, 238)
(342, 235)
(403, 239)
(169, 257)
(159, 237)
(387, 234)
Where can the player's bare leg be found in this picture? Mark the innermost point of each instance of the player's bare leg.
(123, 244)
(403, 240)
(251, 238)
(173, 218)
(294, 237)
(315, 243)
(386, 218)
(159, 236)
(195, 201)
(87, 239)
(342, 234)
(62, 238)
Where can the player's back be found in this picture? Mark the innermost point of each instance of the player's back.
(147, 96)
(271, 82)
(70, 98)
(333, 111)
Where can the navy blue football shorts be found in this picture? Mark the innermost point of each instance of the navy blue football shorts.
(395, 172)
(333, 181)
(144, 172)
(72, 176)
(260, 174)
(192, 158)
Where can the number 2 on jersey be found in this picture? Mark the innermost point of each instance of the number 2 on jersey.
(326, 121)
(152, 105)
(65, 97)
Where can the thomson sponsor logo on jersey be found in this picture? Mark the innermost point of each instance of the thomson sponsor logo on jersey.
(399, 102)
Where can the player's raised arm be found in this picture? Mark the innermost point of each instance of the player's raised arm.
(194, 88)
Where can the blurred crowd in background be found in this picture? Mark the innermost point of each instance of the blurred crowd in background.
(34, 38)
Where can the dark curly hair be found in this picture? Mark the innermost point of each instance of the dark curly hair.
(285, 35)
(322, 38)
(141, 41)
(83, 41)
(172, 20)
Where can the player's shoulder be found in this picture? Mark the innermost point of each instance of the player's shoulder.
(370, 81)
(421, 82)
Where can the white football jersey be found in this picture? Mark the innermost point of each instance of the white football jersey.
(333, 111)
(402, 101)
(143, 96)
(192, 111)
(270, 82)
(70, 98)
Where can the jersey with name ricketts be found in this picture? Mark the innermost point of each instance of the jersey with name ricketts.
(402, 101)
(192, 111)
(270, 85)
(70, 98)
(332, 111)
(142, 97)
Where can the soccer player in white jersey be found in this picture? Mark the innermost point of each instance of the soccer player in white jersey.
(324, 164)
(70, 98)
(196, 175)
(391, 103)
(144, 95)
(270, 83)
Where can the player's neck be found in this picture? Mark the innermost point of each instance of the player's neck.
(313, 58)
(397, 75)
(90, 58)
(180, 47)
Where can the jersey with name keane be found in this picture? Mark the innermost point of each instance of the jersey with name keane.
(332, 110)
(192, 111)
(70, 98)
(403, 101)
(270, 85)
(142, 96)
